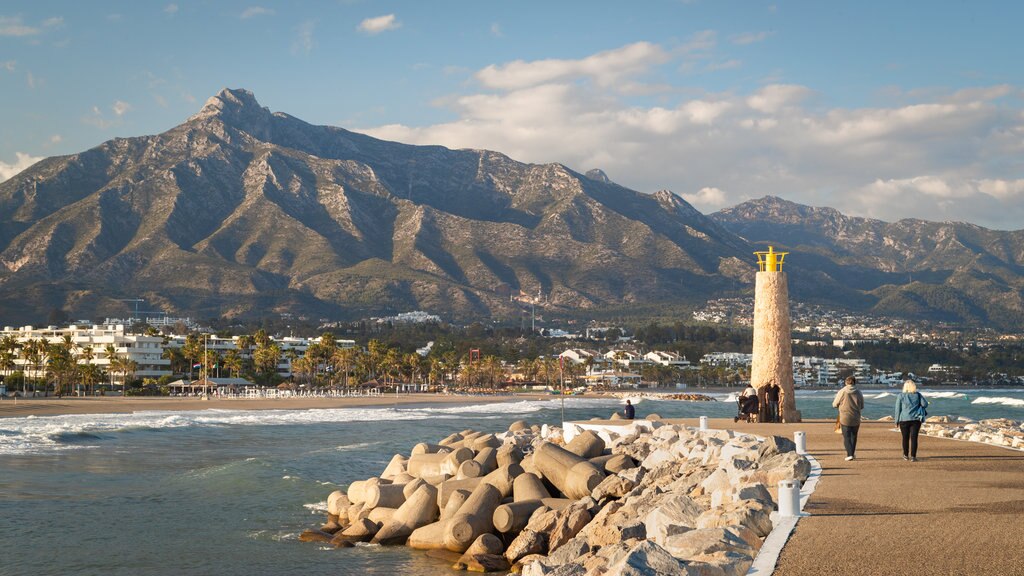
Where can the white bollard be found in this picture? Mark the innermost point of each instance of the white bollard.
(703, 423)
(789, 498)
(800, 439)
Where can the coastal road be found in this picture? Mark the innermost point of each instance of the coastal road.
(958, 510)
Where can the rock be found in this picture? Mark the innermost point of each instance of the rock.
(722, 563)
(774, 445)
(646, 559)
(787, 466)
(360, 531)
(755, 492)
(693, 543)
(675, 515)
(528, 542)
(482, 563)
(570, 522)
(886, 419)
(749, 513)
(653, 417)
(610, 526)
(614, 486)
(312, 535)
(568, 552)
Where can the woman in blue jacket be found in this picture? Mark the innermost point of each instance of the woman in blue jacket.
(910, 413)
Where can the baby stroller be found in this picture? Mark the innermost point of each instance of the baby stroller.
(746, 409)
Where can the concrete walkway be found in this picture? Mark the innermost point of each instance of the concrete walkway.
(958, 510)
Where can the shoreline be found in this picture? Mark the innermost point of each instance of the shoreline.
(117, 405)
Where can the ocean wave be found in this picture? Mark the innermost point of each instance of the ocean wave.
(944, 394)
(316, 507)
(880, 395)
(33, 434)
(1014, 402)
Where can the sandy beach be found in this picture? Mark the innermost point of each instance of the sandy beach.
(9, 408)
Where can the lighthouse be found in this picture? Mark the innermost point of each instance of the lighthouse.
(773, 348)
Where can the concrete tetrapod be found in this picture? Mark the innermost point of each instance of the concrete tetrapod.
(469, 469)
(528, 486)
(572, 475)
(429, 537)
(419, 510)
(586, 444)
(427, 448)
(357, 489)
(384, 495)
(474, 518)
(613, 463)
(488, 459)
(509, 454)
(503, 477)
(513, 517)
(395, 467)
(448, 487)
(455, 501)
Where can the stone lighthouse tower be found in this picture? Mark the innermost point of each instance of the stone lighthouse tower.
(773, 347)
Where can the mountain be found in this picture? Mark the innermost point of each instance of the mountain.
(241, 212)
(948, 271)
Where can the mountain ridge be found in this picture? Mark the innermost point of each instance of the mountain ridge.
(241, 212)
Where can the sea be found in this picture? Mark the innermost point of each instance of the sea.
(227, 492)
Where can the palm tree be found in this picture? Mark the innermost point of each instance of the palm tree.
(192, 350)
(233, 362)
(61, 366)
(344, 358)
(266, 358)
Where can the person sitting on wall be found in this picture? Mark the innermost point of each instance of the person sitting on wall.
(629, 411)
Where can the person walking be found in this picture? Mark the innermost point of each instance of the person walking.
(910, 414)
(850, 402)
(629, 411)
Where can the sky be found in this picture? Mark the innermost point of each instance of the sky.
(886, 110)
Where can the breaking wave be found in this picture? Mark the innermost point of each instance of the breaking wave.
(1014, 402)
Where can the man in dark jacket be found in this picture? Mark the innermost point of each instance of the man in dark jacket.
(629, 411)
(772, 395)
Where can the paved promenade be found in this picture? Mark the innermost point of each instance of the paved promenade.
(958, 510)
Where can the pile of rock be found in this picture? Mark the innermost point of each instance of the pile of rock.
(996, 431)
(685, 396)
(672, 501)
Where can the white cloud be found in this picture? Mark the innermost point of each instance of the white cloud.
(947, 155)
(254, 11)
(9, 65)
(605, 68)
(171, 9)
(31, 81)
(56, 139)
(303, 43)
(21, 162)
(379, 24)
(749, 38)
(54, 22)
(13, 26)
(707, 198)
(120, 108)
(496, 30)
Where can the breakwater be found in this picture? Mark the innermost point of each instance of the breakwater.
(669, 499)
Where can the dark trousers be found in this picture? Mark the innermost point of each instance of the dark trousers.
(773, 411)
(850, 439)
(910, 429)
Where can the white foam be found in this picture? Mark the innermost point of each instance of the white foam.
(316, 507)
(1014, 402)
(33, 434)
(881, 395)
(944, 394)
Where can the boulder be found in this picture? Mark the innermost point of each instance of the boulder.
(614, 486)
(569, 523)
(647, 559)
(687, 545)
(774, 445)
(527, 543)
(749, 513)
(482, 563)
(674, 515)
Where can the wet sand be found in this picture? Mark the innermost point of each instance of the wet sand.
(9, 408)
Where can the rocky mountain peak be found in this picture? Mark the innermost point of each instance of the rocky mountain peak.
(237, 107)
(599, 175)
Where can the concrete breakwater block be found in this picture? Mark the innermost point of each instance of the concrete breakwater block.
(474, 518)
(574, 476)
(419, 510)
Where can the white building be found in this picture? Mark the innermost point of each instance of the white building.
(667, 359)
(145, 351)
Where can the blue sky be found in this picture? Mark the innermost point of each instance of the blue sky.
(881, 109)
